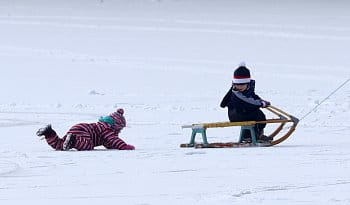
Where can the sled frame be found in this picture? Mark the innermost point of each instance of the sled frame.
(283, 119)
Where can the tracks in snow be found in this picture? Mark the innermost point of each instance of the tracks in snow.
(8, 167)
(287, 188)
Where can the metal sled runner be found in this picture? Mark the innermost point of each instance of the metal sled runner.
(283, 119)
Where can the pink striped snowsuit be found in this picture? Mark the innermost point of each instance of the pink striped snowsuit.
(89, 135)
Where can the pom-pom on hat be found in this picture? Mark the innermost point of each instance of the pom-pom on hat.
(241, 74)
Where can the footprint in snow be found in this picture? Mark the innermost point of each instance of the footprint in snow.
(193, 153)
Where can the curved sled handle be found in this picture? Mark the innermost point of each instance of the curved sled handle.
(288, 118)
(278, 112)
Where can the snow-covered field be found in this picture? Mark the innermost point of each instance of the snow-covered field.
(169, 63)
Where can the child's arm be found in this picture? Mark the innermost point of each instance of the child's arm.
(252, 102)
(255, 96)
(226, 99)
(112, 141)
(264, 103)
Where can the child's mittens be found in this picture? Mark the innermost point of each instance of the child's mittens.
(265, 103)
(128, 147)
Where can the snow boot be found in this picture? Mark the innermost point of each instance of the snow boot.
(263, 138)
(46, 131)
(68, 142)
(247, 137)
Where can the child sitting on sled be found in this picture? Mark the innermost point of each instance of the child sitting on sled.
(86, 136)
(243, 104)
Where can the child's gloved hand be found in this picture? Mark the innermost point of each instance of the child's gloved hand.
(128, 147)
(265, 103)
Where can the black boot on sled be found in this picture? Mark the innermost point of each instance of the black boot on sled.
(247, 137)
(263, 138)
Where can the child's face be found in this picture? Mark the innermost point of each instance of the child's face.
(241, 87)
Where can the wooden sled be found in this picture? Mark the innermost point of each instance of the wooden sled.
(283, 119)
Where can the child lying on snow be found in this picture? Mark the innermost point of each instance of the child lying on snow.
(243, 104)
(86, 136)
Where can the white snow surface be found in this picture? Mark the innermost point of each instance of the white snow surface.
(169, 63)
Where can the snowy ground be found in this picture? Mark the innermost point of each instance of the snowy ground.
(169, 63)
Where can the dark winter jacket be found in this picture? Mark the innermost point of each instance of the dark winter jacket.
(243, 106)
